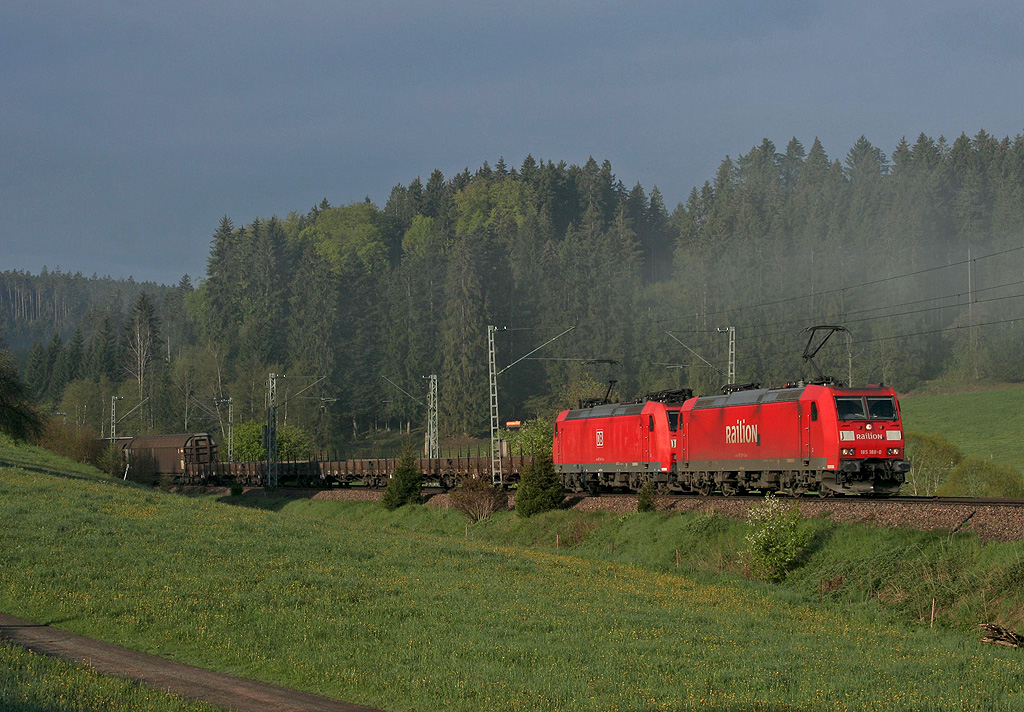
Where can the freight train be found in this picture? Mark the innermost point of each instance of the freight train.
(803, 438)
(191, 459)
(816, 438)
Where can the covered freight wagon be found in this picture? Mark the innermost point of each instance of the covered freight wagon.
(192, 454)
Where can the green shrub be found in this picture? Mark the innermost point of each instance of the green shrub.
(293, 443)
(74, 442)
(931, 459)
(533, 438)
(111, 461)
(974, 477)
(404, 485)
(775, 539)
(540, 489)
(645, 497)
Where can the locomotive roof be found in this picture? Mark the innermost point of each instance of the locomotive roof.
(744, 397)
(606, 411)
(761, 395)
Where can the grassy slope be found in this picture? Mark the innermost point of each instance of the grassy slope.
(411, 620)
(988, 424)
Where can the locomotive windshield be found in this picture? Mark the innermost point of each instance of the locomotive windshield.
(882, 408)
(850, 408)
(877, 408)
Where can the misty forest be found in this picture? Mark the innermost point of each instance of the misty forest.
(917, 252)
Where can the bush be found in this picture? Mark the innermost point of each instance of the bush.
(478, 499)
(974, 477)
(775, 539)
(77, 443)
(111, 461)
(404, 485)
(931, 459)
(293, 443)
(532, 439)
(540, 489)
(645, 497)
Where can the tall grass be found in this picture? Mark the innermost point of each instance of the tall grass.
(418, 619)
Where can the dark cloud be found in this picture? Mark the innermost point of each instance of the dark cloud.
(128, 129)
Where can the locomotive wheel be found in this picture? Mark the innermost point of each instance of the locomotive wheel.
(729, 489)
(704, 489)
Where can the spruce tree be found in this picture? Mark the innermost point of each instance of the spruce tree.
(404, 485)
(540, 489)
(18, 417)
(37, 377)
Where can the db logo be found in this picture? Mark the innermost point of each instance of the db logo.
(600, 438)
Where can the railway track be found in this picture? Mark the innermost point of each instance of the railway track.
(989, 519)
(865, 499)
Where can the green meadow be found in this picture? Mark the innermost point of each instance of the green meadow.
(405, 612)
(988, 424)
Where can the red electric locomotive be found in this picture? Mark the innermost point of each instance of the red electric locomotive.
(820, 438)
(618, 444)
(807, 438)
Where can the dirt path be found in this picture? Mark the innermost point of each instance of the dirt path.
(227, 691)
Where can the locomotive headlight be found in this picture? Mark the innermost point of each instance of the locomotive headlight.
(893, 451)
(847, 451)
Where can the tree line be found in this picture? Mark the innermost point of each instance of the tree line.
(918, 253)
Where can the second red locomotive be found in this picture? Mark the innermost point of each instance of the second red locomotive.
(818, 438)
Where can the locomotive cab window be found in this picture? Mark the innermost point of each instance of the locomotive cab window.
(673, 420)
(881, 408)
(850, 408)
(814, 411)
(650, 423)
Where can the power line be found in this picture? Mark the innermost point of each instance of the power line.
(848, 287)
(834, 316)
(882, 316)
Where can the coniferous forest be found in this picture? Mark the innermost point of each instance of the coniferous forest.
(918, 252)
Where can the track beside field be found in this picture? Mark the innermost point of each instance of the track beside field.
(991, 520)
(218, 689)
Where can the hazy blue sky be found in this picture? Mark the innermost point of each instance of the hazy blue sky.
(127, 129)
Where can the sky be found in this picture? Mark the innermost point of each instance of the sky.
(128, 129)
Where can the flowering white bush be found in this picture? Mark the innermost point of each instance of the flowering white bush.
(775, 539)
